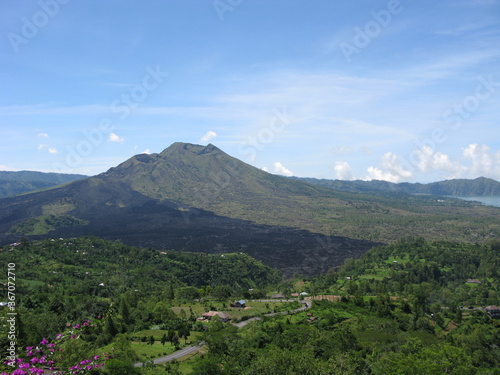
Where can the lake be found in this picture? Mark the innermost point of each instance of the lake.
(487, 200)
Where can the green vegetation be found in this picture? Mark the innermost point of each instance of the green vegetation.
(45, 224)
(413, 307)
(67, 281)
(399, 313)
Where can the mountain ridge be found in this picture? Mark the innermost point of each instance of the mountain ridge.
(19, 182)
(198, 198)
(480, 186)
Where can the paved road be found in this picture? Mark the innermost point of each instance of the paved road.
(196, 348)
(176, 355)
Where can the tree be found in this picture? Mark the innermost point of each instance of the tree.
(222, 292)
(164, 339)
(170, 292)
(188, 292)
(74, 351)
(124, 311)
(162, 312)
(151, 340)
(184, 330)
(175, 340)
(111, 327)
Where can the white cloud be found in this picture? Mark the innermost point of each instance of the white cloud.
(146, 151)
(476, 161)
(280, 169)
(115, 138)
(343, 170)
(393, 164)
(482, 161)
(392, 170)
(430, 161)
(43, 135)
(208, 136)
(377, 174)
(265, 169)
(52, 150)
(4, 168)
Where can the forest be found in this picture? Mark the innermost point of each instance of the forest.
(87, 305)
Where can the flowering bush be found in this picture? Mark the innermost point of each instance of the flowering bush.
(47, 354)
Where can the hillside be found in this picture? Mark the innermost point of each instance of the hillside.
(401, 309)
(13, 183)
(458, 187)
(198, 198)
(79, 265)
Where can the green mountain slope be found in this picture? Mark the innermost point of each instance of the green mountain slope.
(208, 178)
(13, 183)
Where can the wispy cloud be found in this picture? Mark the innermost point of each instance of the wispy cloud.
(50, 150)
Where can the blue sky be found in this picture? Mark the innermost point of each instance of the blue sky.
(394, 90)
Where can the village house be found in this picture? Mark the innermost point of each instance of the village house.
(493, 311)
(209, 315)
(239, 304)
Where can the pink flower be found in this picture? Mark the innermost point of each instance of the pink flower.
(77, 326)
(44, 341)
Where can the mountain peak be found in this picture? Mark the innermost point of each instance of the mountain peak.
(180, 147)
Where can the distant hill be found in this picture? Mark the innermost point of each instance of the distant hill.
(458, 187)
(198, 198)
(13, 183)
